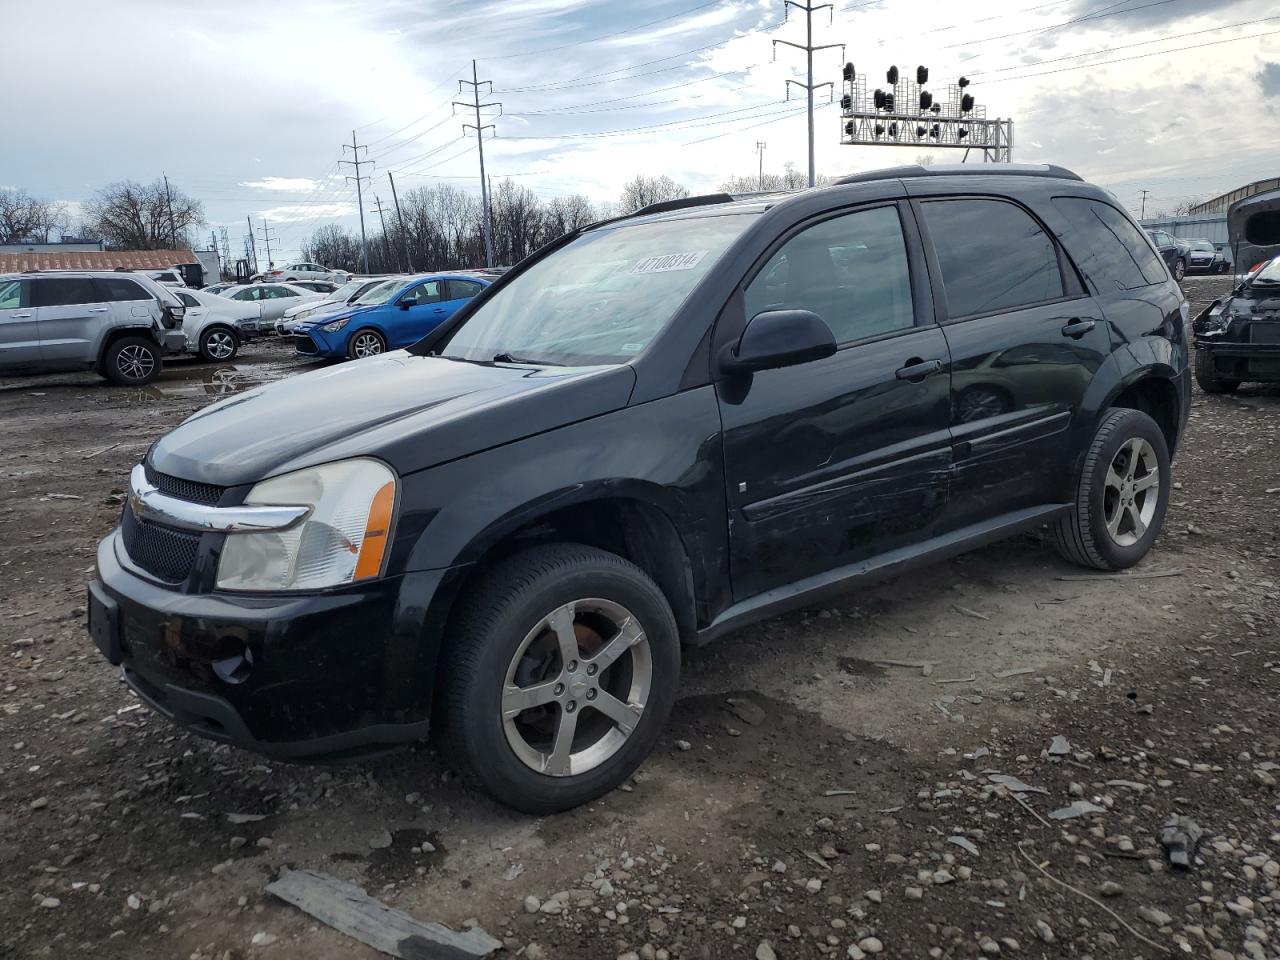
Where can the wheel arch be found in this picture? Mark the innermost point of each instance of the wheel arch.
(119, 333)
(1154, 392)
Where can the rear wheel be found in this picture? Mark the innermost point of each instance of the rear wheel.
(563, 668)
(366, 343)
(1179, 270)
(1208, 377)
(218, 345)
(131, 361)
(1122, 494)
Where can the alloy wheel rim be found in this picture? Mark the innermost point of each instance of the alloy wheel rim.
(135, 362)
(220, 345)
(367, 345)
(576, 687)
(1131, 492)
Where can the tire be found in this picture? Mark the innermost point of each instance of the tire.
(1085, 536)
(501, 639)
(1180, 270)
(132, 361)
(219, 345)
(1207, 377)
(366, 343)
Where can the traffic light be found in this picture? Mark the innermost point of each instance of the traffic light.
(892, 76)
(848, 71)
(962, 82)
(966, 103)
(926, 100)
(922, 75)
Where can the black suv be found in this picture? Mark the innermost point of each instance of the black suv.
(655, 430)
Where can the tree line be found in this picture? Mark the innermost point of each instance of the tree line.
(125, 216)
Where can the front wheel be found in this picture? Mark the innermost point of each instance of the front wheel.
(1122, 495)
(218, 345)
(562, 669)
(366, 343)
(1179, 270)
(132, 361)
(1207, 375)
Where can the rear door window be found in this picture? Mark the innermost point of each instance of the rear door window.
(12, 293)
(993, 255)
(119, 289)
(63, 291)
(1108, 248)
(463, 289)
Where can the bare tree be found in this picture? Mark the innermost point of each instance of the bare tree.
(565, 214)
(643, 191)
(791, 179)
(135, 216)
(27, 219)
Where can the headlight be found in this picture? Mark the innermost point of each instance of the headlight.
(335, 326)
(343, 539)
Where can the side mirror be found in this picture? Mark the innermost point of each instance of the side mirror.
(779, 338)
(404, 304)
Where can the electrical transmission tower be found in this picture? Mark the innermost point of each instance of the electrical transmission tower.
(475, 83)
(252, 242)
(356, 162)
(809, 10)
(386, 242)
(266, 239)
(226, 244)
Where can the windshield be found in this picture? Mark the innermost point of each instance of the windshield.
(1201, 245)
(1269, 274)
(600, 299)
(381, 293)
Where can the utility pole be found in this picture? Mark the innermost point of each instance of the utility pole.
(809, 49)
(168, 199)
(386, 244)
(1143, 215)
(475, 83)
(356, 162)
(760, 145)
(226, 249)
(408, 261)
(253, 244)
(267, 238)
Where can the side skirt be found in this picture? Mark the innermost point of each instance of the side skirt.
(810, 590)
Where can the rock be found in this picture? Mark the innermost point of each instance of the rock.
(942, 876)
(871, 945)
(913, 893)
(534, 951)
(765, 951)
(1059, 747)
(134, 901)
(855, 953)
(813, 885)
(39, 803)
(739, 923)
(1157, 917)
(779, 867)
(748, 711)
(1110, 889)
(261, 939)
(1044, 931)
(235, 843)
(380, 840)
(532, 904)
(629, 955)
(50, 903)
(684, 746)
(989, 947)
(1078, 809)
(874, 896)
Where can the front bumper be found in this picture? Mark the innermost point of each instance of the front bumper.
(315, 342)
(1234, 360)
(328, 674)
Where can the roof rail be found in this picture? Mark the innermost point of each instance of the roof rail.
(962, 169)
(665, 205)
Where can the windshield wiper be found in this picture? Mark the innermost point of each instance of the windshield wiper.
(508, 358)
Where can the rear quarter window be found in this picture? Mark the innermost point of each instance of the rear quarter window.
(1107, 247)
(117, 289)
(63, 291)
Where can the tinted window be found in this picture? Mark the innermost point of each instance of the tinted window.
(250, 293)
(188, 299)
(118, 289)
(428, 292)
(11, 294)
(851, 271)
(1107, 247)
(463, 289)
(993, 256)
(63, 291)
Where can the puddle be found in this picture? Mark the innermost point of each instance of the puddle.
(398, 860)
(181, 383)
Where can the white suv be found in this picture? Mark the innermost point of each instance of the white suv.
(118, 324)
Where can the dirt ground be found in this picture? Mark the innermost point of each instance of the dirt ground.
(807, 800)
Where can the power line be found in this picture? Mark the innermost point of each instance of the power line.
(356, 162)
(809, 49)
(266, 239)
(475, 83)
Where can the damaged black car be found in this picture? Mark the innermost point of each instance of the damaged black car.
(1237, 338)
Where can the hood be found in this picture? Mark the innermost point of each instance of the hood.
(413, 412)
(329, 315)
(311, 305)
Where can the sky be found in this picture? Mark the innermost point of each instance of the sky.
(247, 106)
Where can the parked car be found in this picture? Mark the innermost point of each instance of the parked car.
(348, 294)
(654, 431)
(212, 324)
(316, 286)
(1203, 257)
(400, 314)
(119, 325)
(273, 298)
(170, 278)
(305, 271)
(219, 288)
(1174, 252)
(1237, 337)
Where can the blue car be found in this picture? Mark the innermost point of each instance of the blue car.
(397, 317)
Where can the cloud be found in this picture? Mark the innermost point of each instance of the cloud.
(1269, 79)
(290, 184)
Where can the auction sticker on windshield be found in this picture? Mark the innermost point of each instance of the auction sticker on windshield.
(669, 262)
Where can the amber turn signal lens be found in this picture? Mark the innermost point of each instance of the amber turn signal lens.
(376, 533)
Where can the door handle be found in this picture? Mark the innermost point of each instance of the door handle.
(22, 316)
(438, 310)
(99, 309)
(1075, 329)
(917, 369)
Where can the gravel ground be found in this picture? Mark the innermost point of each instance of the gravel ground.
(808, 799)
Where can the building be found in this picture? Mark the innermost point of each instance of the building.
(1208, 220)
(67, 245)
(1219, 204)
(60, 258)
